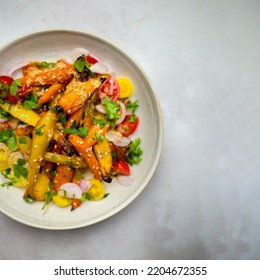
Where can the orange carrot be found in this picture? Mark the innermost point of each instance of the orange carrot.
(49, 77)
(76, 116)
(50, 93)
(86, 152)
(64, 174)
(76, 95)
(94, 132)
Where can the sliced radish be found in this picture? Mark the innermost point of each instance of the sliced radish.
(117, 138)
(77, 52)
(99, 68)
(100, 108)
(84, 185)
(123, 112)
(72, 190)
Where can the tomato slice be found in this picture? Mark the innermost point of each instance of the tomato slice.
(109, 88)
(5, 81)
(21, 94)
(128, 126)
(121, 167)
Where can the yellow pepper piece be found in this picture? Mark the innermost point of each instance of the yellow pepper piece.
(126, 87)
(41, 187)
(19, 112)
(97, 190)
(61, 201)
(4, 154)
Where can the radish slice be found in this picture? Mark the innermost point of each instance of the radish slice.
(100, 108)
(72, 190)
(99, 68)
(84, 185)
(77, 52)
(3, 120)
(117, 138)
(123, 112)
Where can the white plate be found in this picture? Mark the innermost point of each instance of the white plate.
(55, 44)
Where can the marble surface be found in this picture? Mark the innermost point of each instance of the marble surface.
(203, 59)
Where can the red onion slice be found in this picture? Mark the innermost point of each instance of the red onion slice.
(84, 185)
(100, 108)
(72, 190)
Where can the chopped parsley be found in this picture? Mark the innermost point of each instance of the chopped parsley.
(31, 102)
(81, 64)
(19, 169)
(15, 87)
(22, 140)
(132, 106)
(101, 122)
(7, 136)
(44, 65)
(112, 108)
(81, 131)
(39, 131)
(135, 152)
(4, 114)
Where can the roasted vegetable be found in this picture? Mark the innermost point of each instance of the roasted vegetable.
(102, 150)
(42, 135)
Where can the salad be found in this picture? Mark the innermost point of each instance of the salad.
(67, 129)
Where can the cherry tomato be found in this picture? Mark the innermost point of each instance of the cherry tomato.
(121, 167)
(109, 88)
(128, 126)
(5, 81)
(21, 94)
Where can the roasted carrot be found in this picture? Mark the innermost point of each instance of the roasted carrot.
(50, 93)
(49, 77)
(76, 95)
(64, 174)
(86, 152)
(29, 68)
(95, 131)
(76, 116)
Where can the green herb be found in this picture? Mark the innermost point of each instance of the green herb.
(4, 114)
(31, 102)
(29, 199)
(82, 65)
(48, 195)
(132, 118)
(81, 131)
(15, 86)
(101, 122)
(54, 157)
(62, 118)
(39, 131)
(86, 196)
(4, 90)
(111, 108)
(23, 140)
(7, 136)
(134, 153)
(44, 64)
(132, 106)
(19, 169)
(98, 136)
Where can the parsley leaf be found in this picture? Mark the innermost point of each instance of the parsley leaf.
(132, 106)
(81, 131)
(19, 169)
(44, 65)
(82, 65)
(31, 102)
(15, 86)
(101, 122)
(39, 131)
(7, 136)
(111, 108)
(134, 153)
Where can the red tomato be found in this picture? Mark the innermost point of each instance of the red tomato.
(109, 88)
(5, 81)
(21, 94)
(128, 126)
(23, 91)
(121, 167)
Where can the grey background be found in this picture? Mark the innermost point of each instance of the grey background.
(203, 201)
